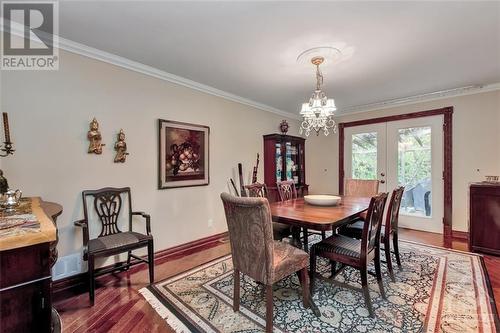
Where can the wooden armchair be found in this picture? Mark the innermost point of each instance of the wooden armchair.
(256, 254)
(257, 190)
(107, 204)
(288, 191)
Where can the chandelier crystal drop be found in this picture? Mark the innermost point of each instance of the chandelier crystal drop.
(318, 113)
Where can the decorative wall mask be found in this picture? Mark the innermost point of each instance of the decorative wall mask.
(95, 138)
(121, 148)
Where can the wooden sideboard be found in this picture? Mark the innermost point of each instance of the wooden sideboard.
(484, 221)
(25, 274)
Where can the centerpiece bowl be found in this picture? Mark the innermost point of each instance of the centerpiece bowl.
(322, 200)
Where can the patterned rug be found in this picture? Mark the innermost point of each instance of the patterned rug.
(437, 290)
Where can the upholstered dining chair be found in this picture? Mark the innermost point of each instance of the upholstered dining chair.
(390, 228)
(361, 187)
(258, 190)
(107, 204)
(355, 253)
(256, 254)
(288, 191)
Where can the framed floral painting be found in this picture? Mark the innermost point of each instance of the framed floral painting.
(183, 154)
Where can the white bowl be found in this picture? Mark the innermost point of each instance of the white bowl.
(322, 200)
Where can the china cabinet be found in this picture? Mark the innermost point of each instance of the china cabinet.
(284, 159)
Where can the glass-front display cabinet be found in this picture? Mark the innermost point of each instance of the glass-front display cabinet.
(284, 159)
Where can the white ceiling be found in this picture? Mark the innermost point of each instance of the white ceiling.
(249, 48)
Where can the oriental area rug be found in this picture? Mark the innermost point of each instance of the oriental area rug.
(437, 290)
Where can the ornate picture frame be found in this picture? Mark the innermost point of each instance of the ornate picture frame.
(183, 154)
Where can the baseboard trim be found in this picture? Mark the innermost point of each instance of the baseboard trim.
(78, 283)
(463, 235)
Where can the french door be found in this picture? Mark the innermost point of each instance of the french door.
(402, 153)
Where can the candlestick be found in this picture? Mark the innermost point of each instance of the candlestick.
(6, 126)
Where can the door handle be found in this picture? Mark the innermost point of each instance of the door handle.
(382, 181)
(382, 174)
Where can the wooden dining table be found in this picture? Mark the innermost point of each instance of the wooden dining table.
(298, 213)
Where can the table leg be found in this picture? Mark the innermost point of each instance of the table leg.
(306, 239)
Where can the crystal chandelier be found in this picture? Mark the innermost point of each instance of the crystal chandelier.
(317, 115)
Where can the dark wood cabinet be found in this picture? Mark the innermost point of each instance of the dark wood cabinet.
(25, 293)
(484, 223)
(25, 275)
(284, 159)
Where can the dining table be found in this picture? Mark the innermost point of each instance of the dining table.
(298, 213)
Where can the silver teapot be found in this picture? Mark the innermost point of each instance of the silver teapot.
(10, 199)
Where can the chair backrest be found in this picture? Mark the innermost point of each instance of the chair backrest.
(287, 190)
(257, 190)
(391, 221)
(251, 236)
(361, 187)
(107, 204)
(371, 231)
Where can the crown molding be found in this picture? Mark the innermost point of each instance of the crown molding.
(433, 96)
(110, 58)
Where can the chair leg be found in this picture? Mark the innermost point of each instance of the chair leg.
(296, 237)
(151, 262)
(323, 235)
(306, 239)
(378, 273)
(91, 279)
(333, 265)
(129, 258)
(236, 290)
(366, 292)
(312, 269)
(304, 282)
(396, 248)
(387, 250)
(269, 309)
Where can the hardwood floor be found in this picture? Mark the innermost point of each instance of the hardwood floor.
(120, 308)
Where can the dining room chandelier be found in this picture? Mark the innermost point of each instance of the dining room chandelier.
(318, 113)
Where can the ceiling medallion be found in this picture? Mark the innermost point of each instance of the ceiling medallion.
(318, 113)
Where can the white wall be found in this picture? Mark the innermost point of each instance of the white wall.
(476, 145)
(50, 112)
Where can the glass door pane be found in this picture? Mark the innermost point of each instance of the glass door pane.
(365, 153)
(415, 170)
(364, 156)
(279, 162)
(292, 162)
(415, 161)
